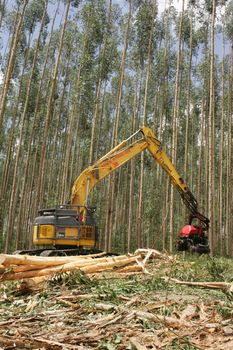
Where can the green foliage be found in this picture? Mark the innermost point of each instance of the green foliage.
(219, 269)
(229, 22)
(110, 345)
(71, 279)
(143, 27)
(182, 344)
(185, 33)
(225, 310)
(157, 283)
(34, 14)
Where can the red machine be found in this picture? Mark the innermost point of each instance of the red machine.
(193, 237)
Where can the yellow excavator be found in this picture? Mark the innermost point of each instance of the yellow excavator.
(71, 228)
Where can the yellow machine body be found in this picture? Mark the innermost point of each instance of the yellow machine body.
(63, 227)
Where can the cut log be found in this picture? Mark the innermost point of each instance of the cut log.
(87, 267)
(38, 268)
(131, 268)
(7, 260)
(109, 265)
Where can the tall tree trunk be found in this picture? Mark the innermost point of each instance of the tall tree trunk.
(11, 139)
(165, 214)
(229, 162)
(15, 182)
(23, 187)
(175, 126)
(201, 151)
(11, 63)
(111, 184)
(41, 169)
(164, 97)
(70, 132)
(32, 207)
(221, 153)
(187, 124)
(144, 122)
(54, 160)
(99, 85)
(211, 126)
(132, 170)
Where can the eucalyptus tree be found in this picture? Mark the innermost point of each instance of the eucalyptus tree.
(164, 72)
(32, 154)
(94, 63)
(141, 53)
(73, 116)
(36, 13)
(22, 137)
(145, 39)
(175, 121)
(220, 226)
(187, 124)
(134, 125)
(105, 66)
(60, 130)
(11, 60)
(50, 105)
(211, 129)
(2, 11)
(229, 204)
(10, 146)
(202, 74)
(111, 182)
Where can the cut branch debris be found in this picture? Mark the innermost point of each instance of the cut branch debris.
(211, 285)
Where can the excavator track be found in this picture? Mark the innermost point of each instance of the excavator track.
(58, 252)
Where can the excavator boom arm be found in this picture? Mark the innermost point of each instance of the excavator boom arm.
(121, 154)
(103, 167)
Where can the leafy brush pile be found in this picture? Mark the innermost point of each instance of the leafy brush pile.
(149, 311)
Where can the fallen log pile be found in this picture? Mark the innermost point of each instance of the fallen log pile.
(17, 267)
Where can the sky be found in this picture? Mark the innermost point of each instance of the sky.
(162, 4)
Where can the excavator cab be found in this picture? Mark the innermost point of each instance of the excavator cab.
(193, 237)
(65, 227)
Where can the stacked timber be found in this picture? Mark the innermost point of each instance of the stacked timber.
(17, 267)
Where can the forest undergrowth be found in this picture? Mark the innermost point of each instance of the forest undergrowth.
(145, 311)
